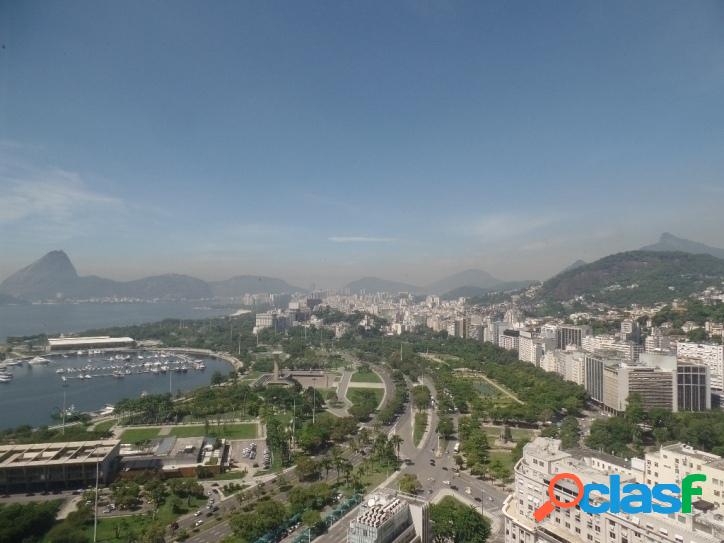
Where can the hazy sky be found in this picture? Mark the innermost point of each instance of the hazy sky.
(323, 141)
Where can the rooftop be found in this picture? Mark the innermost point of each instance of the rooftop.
(95, 340)
(44, 454)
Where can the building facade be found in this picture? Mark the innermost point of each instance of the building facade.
(543, 458)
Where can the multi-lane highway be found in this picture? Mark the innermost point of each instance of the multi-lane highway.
(434, 469)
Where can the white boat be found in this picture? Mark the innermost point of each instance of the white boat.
(38, 360)
(88, 376)
(60, 370)
(5, 377)
(65, 380)
(108, 409)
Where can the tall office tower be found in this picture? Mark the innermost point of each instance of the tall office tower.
(711, 355)
(630, 330)
(571, 335)
(693, 386)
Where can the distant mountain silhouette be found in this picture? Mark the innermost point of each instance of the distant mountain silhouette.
(375, 284)
(474, 279)
(54, 277)
(469, 278)
(251, 284)
(472, 292)
(577, 264)
(670, 242)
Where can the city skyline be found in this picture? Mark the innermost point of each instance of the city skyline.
(324, 144)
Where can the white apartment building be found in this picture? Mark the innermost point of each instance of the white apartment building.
(573, 366)
(626, 350)
(530, 348)
(670, 464)
(509, 339)
(710, 354)
(543, 458)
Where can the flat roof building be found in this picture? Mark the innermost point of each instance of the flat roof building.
(57, 465)
(391, 517)
(97, 342)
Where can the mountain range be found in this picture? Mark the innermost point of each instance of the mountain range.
(670, 242)
(642, 277)
(473, 279)
(54, 277)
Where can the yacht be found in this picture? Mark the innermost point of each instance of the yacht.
(38, 360)
(108, 409)
(5, 377)
(60, 370)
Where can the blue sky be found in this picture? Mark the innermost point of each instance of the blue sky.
(323, 141)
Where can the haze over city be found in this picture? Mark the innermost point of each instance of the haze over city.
(324, 142)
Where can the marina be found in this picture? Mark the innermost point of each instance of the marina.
(33, 390)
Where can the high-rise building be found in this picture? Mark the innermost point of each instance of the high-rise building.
(671, 463)
(710, 354)
(530, 348)
(543, 459)
(657, 341)
(655, 387)
(571, 335)
(509, 339)
(593, 367)
(693, 386)
(630, 330)
(571, 365)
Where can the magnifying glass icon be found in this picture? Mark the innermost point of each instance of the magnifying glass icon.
(547, 508)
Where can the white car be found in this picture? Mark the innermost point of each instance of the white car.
(198, 523)
(446, 483)
(197, 513)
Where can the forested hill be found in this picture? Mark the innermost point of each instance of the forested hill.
(636, 277)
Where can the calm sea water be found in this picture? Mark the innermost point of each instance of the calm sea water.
(36, 391)
(26, 320)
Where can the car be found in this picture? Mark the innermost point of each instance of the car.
(198, 523)
(453, 487)
(446, 483)
(477, 499)
(197, 513)
(444, 468)
(432, 461)
(214, 484)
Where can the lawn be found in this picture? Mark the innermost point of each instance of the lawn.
(505, 458)
(126, 526)
(356, 395)
(493, 433)
(366, 377)
(229, 431)
(138, 435)
(105, 425)
(420, 427)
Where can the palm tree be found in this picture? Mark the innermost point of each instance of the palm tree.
(326, 464)
(347, 468)
(396, 441)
